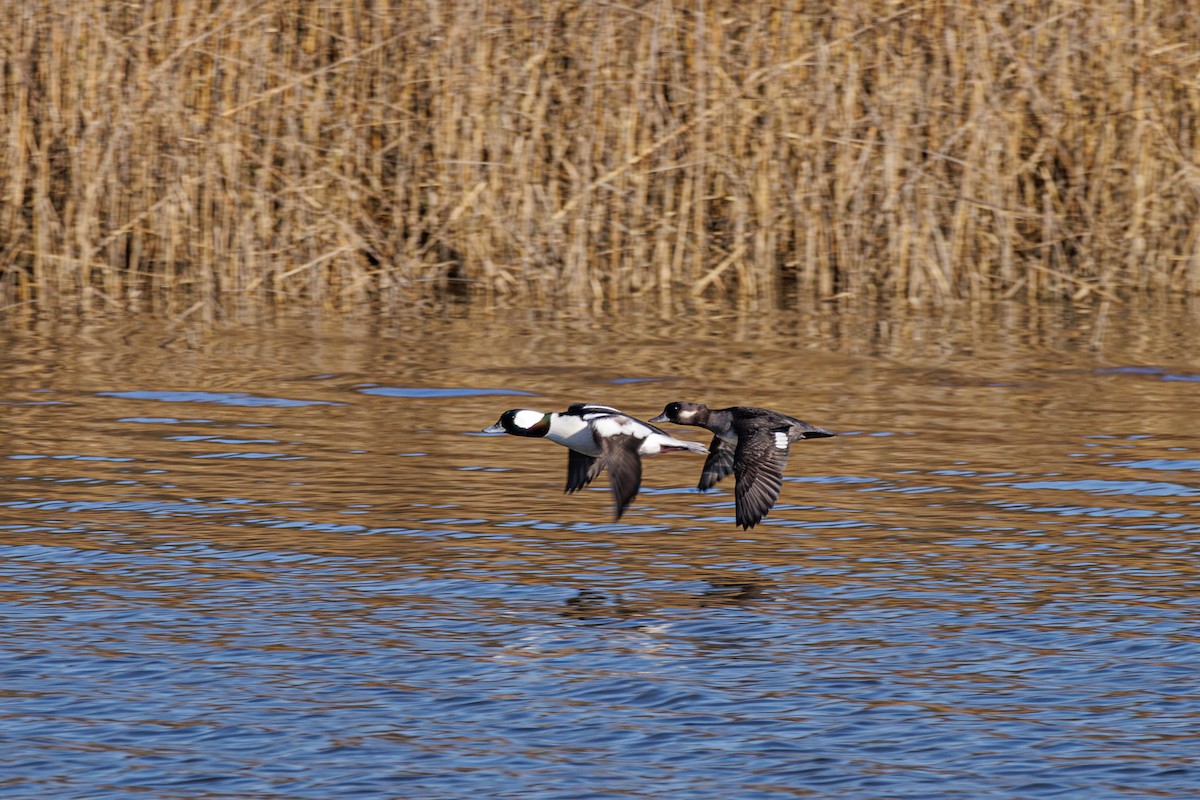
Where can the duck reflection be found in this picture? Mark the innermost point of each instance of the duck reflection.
(591, 604)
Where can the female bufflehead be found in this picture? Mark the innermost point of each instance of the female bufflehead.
(597, 438)
(752, 443)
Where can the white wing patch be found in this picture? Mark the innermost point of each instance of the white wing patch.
(527, 418)
(781, 440)
(618, 426)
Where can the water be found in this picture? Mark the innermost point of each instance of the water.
(274, 559)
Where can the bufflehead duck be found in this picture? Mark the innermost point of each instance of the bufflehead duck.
(597, 437)
(752, 443)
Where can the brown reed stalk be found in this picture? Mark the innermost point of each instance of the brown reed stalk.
(354, 156)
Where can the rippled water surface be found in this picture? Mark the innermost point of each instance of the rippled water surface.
(276, 559)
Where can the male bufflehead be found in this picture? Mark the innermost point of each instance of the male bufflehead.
(597, 438)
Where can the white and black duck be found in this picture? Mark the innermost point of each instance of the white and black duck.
(597, 438)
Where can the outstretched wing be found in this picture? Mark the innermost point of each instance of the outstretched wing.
(581, 470)
(618, 454)
(718, 464)
(759, 461)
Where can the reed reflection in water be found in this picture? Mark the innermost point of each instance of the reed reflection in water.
(276, 560)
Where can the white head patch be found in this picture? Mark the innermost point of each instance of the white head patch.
(527, 418)
(781, 440)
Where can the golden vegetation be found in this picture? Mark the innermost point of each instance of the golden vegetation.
(353, 154)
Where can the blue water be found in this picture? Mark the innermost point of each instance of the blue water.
(221, 580)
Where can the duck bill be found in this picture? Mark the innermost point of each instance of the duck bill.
(494, 428)
(659, 418)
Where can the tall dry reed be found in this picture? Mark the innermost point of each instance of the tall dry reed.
(353, 154)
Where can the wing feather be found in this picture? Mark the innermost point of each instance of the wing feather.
(718, 464)
(759, 462)
(589, 409)
(581, 470)
(620, 457)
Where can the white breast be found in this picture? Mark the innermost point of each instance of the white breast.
(572, 432)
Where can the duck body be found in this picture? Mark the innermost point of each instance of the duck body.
(752, 443)
(597, 438)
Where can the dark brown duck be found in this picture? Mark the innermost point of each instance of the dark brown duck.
(752, 443)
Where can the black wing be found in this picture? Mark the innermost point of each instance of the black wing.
(581, 470)
(618, 454)
(759, 462)
(582, 409)
(718, 464)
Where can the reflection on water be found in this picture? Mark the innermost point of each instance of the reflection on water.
(275, 560)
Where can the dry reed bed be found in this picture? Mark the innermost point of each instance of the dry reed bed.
(347, 154)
